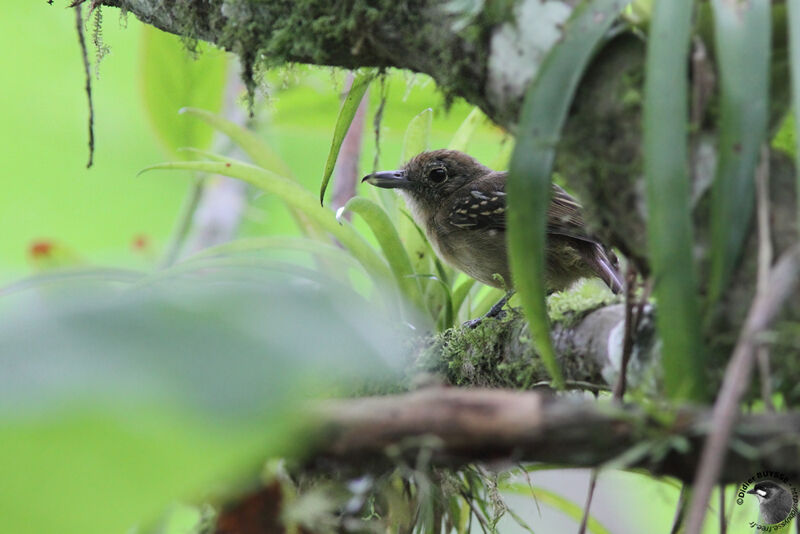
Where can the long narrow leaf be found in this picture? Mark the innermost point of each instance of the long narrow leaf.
(418, 134)
(390, 243)
(346, 113)
(466, 130)
(742, 36)
(669, 222)
(544, 110)
(258, 151)
(794, 51)
(460, 293)
(330, 253)
(556, 501)
(297, 197)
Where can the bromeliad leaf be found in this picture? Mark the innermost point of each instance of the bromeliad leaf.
(466, 130)
(297, 197)
(390, 243)
(794, 48)
(418, 135)
(669, 227)
(543, 113)
(742, 35)
(258, 151)
(346, 113)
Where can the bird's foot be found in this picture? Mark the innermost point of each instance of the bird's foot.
(496, 312)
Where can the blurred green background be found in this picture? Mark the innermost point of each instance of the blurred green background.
(97, 214)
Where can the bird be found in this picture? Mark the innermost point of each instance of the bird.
(774, 501)
(461, 205)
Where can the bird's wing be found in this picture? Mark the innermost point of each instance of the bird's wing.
(564, 216)
(483, 206)
(478, 207)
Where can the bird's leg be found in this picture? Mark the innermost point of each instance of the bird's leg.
(495, 312)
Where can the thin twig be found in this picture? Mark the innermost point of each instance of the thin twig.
(587, 507)
(630, 330)
(376, 124)
(764, 264)
(87, 72)
(766, 305)
(481, 520)
(723, 525)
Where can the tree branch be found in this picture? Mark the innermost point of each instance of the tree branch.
(458, 426)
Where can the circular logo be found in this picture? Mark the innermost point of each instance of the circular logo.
(777, 499)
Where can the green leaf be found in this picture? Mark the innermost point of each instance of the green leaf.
(256, 244)
(416, 140)
(556, 501)
(460, 293)
(120, 404)
(544, 110)
(346, 113)
(258, 151)
(667, 183)
(418, 135)
(742, 37)
(297, 197)
(794, 53)
(390, 243)
(171, 79)
(467, 129)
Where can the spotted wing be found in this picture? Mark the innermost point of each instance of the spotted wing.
(486, 208)
(478, 209)
(564, 216)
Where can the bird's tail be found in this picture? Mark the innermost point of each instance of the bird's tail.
(607, 267)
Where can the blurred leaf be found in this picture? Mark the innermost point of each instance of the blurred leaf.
(460, 293)
(297, 197)
(258, 151)
(257, 244)
(171, 79)
(418, 135)
(556, 501)
(467, 129)
(794, 50)
(60, 276)
(393, 250)
(545, 107)
(667, 182)
(742, 37)
(115, 405)
(416, 140)
(503, 157)
(346, 113)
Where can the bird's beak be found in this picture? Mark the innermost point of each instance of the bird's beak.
(752, 491)
(388, 180)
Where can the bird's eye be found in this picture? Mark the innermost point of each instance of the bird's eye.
(437, 175)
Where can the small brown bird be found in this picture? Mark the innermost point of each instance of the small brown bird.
(461, 204)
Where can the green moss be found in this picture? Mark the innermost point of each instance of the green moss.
(585, 296)
(496, 353)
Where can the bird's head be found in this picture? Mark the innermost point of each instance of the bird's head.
(430, 177)
(766, 490)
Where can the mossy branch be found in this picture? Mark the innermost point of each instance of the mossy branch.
(456, 427)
